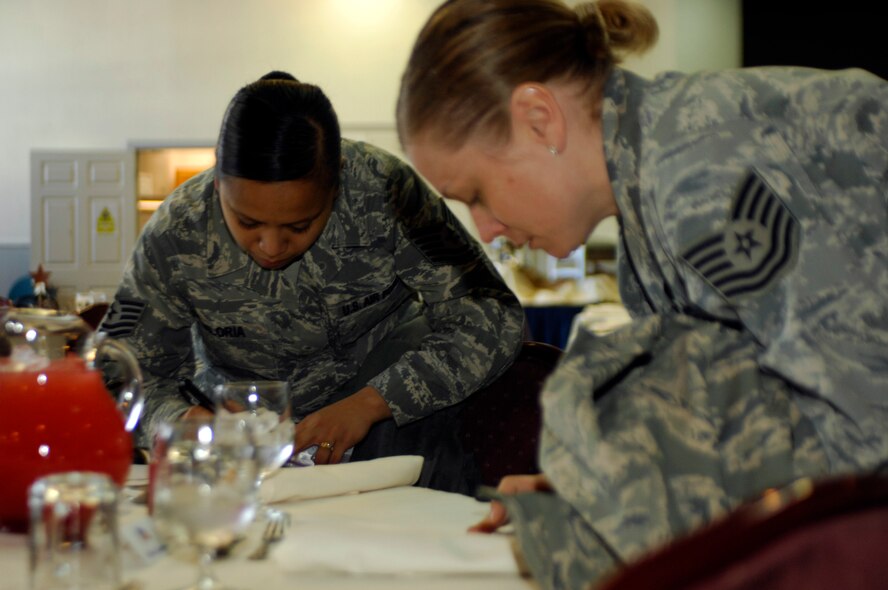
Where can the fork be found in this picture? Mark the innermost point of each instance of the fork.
(274, 531)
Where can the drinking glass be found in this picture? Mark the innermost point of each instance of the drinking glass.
(265, 405)
(205, 492)
(73, 535)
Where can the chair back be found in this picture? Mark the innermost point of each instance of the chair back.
(500, 423)
(824, 535)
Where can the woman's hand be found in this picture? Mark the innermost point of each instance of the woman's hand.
(342, 424)
(511, 484)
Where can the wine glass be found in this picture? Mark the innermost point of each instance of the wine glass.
(205, 492)
(265, 406)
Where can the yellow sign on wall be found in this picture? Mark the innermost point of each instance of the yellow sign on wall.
(105, 222)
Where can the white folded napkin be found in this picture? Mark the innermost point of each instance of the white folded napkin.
(372, 548)
(400, 531)
(137, 476)
(318, 481)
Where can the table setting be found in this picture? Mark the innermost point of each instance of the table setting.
(376, 532)
(219, 507)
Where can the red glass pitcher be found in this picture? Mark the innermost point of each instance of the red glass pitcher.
(55, 412)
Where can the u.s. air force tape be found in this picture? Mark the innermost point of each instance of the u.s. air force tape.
(122, 317)
(757, 246)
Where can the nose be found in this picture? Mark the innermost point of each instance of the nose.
(488, 226)
(272, 244)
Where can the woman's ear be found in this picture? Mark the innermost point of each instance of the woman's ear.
(537, 116)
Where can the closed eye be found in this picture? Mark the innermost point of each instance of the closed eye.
(296, 229)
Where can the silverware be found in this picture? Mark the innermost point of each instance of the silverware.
(274, 531)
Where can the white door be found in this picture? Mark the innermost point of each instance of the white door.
(83, 219)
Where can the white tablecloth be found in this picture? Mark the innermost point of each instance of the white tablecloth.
(410, 510)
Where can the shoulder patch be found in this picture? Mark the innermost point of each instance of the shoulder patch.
(758, 245)
(440, 243)
(123, 315)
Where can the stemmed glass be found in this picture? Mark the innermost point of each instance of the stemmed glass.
(265, 406)
(205, 492)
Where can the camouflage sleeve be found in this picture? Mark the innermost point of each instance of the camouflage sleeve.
(476, 322)
(150, 316)
(649, 432)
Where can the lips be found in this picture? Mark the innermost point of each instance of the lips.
(271, 264)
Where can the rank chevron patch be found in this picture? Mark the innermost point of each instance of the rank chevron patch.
(757, 246)
(122, 317)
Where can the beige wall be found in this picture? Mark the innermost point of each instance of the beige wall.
(102, 74)
(107, 74)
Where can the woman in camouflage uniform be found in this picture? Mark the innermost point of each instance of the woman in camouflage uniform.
(326, 263)
(753, 256)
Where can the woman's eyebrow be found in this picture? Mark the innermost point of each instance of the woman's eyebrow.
(308, 219)
(247, 218)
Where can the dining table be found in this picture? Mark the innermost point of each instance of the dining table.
(392, 535)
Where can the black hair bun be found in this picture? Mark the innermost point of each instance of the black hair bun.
(279, 75)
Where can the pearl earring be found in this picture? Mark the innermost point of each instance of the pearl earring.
(553, 150)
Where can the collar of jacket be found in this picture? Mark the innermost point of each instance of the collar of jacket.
(622, 133)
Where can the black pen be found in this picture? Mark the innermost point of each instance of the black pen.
(194, 396)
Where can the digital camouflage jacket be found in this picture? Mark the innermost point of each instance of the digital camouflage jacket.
(192, 304)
